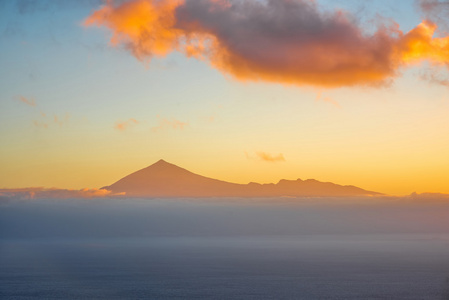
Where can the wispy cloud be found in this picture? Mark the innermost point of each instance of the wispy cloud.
(435, 77)
(124, 125)
(291, 42)
(320, 97)
(169, 124)
(40, 124)
(208, 119)
(61, 120)
(45, 122)
(28, 101)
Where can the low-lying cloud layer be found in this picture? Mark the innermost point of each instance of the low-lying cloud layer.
(54, 193)
(284, 41)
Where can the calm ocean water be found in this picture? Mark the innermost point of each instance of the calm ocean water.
(221, 261)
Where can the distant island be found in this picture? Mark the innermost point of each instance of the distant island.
(166, 180)
(163, 179)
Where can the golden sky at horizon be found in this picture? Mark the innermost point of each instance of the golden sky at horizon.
(289, 90)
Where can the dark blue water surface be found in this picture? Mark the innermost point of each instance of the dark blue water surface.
(120, 250)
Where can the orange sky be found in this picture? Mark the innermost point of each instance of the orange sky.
(238, 91)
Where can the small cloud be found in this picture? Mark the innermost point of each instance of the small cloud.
(267, 157)
(27, 101)
(122, 126)
(169, 124)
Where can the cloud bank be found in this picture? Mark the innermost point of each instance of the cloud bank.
(283, 41)
(54, 193)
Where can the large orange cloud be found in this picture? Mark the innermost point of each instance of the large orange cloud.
(285, 41)
(145, 27)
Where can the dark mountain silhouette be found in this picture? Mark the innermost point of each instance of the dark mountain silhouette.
(163, 179)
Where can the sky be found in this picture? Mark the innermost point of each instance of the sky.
(351, 92)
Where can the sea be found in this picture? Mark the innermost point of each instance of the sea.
(224, 249)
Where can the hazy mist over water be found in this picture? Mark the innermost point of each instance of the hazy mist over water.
(317, 248)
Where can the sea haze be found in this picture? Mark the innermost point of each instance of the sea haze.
(283, 248)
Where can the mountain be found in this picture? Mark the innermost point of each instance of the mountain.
(164, 179)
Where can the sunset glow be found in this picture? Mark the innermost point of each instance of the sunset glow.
(241, 91)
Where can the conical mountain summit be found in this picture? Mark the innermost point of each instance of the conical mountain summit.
(163, 179)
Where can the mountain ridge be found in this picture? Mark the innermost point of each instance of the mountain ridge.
(163, 179)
